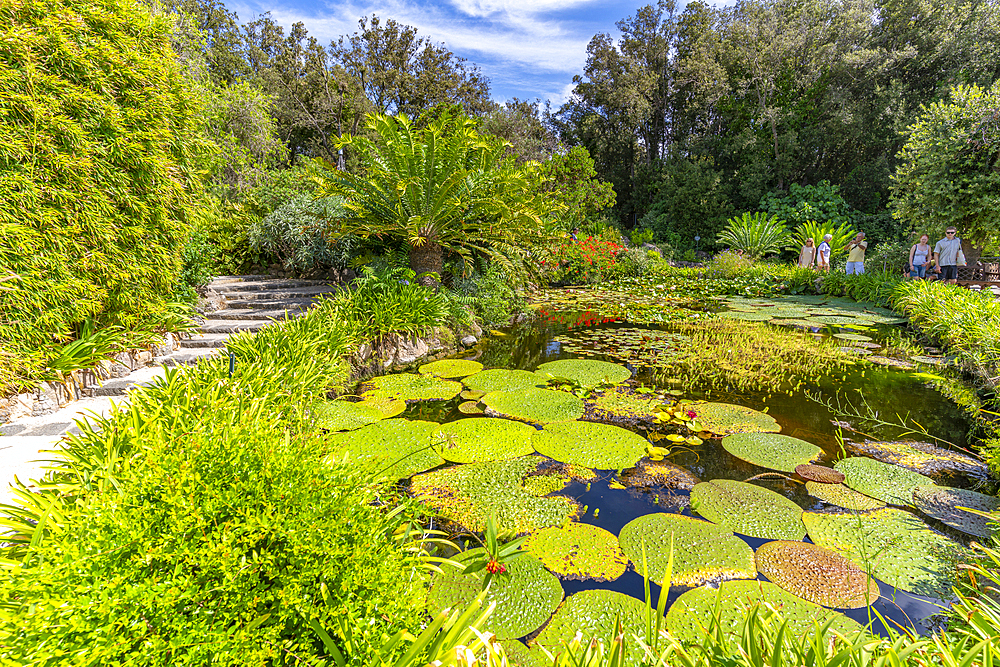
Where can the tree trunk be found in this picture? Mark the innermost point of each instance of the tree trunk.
(972, 252)
(427, 262)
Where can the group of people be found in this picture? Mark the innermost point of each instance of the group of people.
(945, 258)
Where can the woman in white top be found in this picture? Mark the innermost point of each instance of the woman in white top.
(920, 257)
(823, 254)
(808, 255)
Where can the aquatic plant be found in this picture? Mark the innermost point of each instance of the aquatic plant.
(964, 510)
(451, 368)
(921, 457)
(817, 473)
(815, 574)
(534, 405)
(410, 387)
(771, 450)
(623, 405)
(578, 551)
(652, 474)
(589, 444)
(501, 379)
(885, 481)
(594, 613)
(748, 509)
(726, 418)
(842, 496)
(344, 415)
(397, 447)
(483, 439)
(585, 372)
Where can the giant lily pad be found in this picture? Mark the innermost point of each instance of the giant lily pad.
(622, 405)
(534, 405)
(771, 450)
(470, 408)
(401, 446)
(593, 614)
(525, 596)
(922, 457)
(651, 474)
(600, 446)
(702, 551)
(689, 615)
(469, 494)
(484, 439)
(587, 372)
(578, 551)
(519, 655)
(816, 574)
(725, 418)
(748, 509)
(884, 481)
(892, 545)
(841, 496)
(817, 473)
(389, 407)
(410, 388)
(451, 368)
(501, 379)
(344, 415)
(952, 506)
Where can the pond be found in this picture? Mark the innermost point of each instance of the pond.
(677, 456)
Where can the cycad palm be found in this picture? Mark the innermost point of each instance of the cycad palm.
(443, 187)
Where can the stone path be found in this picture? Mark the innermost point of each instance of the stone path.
(248, 303)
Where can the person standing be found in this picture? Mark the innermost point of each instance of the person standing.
(823, 254)
(947, 253)
(856, 255)
(920, 257)
(807, 257)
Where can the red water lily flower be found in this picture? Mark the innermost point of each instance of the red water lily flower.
(691, 414)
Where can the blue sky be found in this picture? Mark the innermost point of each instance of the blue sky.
(528, 48)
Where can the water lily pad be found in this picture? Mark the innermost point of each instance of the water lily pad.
(600, 446)
(484, 439)
(841, 496)
(922, 457)
(501, 379)
(748, 509)
(469, 494)
(853, 337)
(534, 405)
(586, 372)
(689, 615)
(885, 481)
(578, 551)
(702, 552)
(889, 361)
(726, 418)
(451, 368)
(819, 575)
(404, 447)
(622, 405)
(344, 415)
(593, 614)
(771, 450)
(746, 317)
(470, 408)
(892, 545)
(525, 595)
(952, 507)
(519, 655)
(815, 473)
(389, 407)
(472, 395)
(651, 474)
(410, 387)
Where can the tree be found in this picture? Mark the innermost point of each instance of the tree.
(442, 187)
(950, 169)
(518, 123)
(570, 182)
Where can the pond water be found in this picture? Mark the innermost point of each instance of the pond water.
(609, 506)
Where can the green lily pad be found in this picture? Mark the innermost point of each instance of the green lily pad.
(600, 446)
(525, 595)
(817, 473)
(703, 551)
(469, 494)
(389, 407)
(594, 614)
(651, 474)
(519, 655)
(553, 476)
(586, 372)
(922, 457)
(748, 509)
(815, 574)
(344, 415)
(501, 379)
(451, 368)
(771, 450)
(689, 615)
(472, 395)
(484, 439)
(746, 317)
(470, 408)
(841, 496)
(410, 387)
(946, 504)
(403, 446)
(534, 405)
(853, 337)
(885, 481)
(892, 545)
(578, 551)
(726, 418)
(622, 405)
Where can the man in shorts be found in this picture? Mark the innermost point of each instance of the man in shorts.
(946, 256)
(856, 255)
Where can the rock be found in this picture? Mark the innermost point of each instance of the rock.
(143, 357)
(469, 341)
(477, 330)
(409, 350)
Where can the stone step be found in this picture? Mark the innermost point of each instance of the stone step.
(269, 304)
(252, 314)
(219, 280)
(187, 357)
(299, 293)
(216, 326)
(265, 285)
(144, 377)
(205, 340)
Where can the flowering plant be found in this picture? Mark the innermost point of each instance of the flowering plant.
(587, 260)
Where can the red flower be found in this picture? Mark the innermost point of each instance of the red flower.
(691, 414)
(494, 567)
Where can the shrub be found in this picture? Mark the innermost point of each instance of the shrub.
(385, 301)
(199, 264)
(727, 265)
(293, 234)
(755, 234)
(822, 203)
(636, 261)
(493, 295)
(585, 261)
(689, 197)
(96, 166)
(842, 235)
(890, 256)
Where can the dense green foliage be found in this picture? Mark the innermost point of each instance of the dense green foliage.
(756, 235)
(571, 184)
(95, 173)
